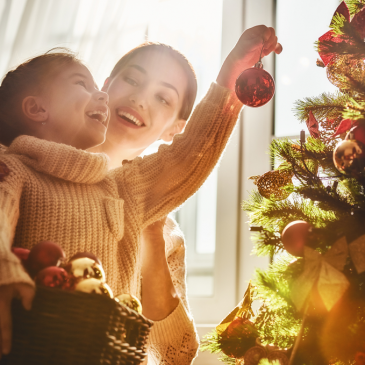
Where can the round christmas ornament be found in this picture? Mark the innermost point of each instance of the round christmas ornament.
(271, 183)
(254, 355)
(357, 132)
(344, 71)
(255, 86)
(52, 276)
(360, 358)
(130, 301)
(279, 356)
(93, 285)
(85, 268)
(42, 255)
(239, 336)
(294, 237)
(349, 157)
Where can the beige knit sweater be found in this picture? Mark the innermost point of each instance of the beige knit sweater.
(56, 192)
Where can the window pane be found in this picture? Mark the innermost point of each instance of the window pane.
(299, 25)
(186, 26)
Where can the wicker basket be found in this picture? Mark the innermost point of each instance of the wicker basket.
(74, 328)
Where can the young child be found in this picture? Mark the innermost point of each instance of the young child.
(51, 189)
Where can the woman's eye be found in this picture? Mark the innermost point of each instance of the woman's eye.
(162, 100)
(131, 81)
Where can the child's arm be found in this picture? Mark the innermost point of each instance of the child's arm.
(157, 184)
(159, 297)
(174, 339)
(14, 281)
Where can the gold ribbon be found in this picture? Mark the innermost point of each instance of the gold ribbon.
(243, 309)
(357, 253)
(325, 272)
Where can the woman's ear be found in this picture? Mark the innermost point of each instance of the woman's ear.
(176, 128)
(33, 108)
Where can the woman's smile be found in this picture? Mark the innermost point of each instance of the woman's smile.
(130, 117)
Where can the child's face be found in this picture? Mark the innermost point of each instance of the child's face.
(77, 110)
(145, 100)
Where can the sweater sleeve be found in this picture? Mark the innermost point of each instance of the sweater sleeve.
(155, 185)
(11, 269)
(174, 340)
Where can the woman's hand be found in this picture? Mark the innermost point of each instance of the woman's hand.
(247, 52)
(7, 292)
(159, 297)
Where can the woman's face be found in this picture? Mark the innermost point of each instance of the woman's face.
(145, 99)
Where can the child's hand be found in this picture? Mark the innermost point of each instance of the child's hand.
(7, 293)
(247, 52)
(154, 232)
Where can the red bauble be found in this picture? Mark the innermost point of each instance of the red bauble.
(294, 237)
(81, 255)
(358, 133)
(238, 337)
(52, 276)
(255, 87)
(42, 255)
(21, 253)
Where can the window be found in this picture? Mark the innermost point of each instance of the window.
(297, 75)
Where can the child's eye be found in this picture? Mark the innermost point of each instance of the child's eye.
(131, 81)
(82, 83)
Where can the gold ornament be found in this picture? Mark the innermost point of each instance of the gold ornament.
(130, 301)
(271, 183)
(85, 268)
(93, 285)
(243, 310)
(349, 157)
(344, 71)
(324, 271)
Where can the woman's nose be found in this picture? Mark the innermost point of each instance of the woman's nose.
(138, 101)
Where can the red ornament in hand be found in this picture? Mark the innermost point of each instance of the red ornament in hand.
(255, 86)
(294, 237)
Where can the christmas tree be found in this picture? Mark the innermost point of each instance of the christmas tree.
(309, 216)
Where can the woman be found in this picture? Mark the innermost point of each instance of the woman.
(152, 90)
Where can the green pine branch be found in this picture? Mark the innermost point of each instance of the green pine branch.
(352, 43)
(323, 106)
(355, 6)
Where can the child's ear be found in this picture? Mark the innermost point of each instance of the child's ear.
(176, 128)
(33, 108)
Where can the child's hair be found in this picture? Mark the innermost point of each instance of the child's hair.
(27, 79)
(191, 91)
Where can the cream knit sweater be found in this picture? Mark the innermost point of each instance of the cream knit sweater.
(56, 192)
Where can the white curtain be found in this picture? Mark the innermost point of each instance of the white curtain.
(101, 31)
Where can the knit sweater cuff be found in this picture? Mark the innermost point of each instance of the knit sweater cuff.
(12, 272)
(216, 93)
(172, 326)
